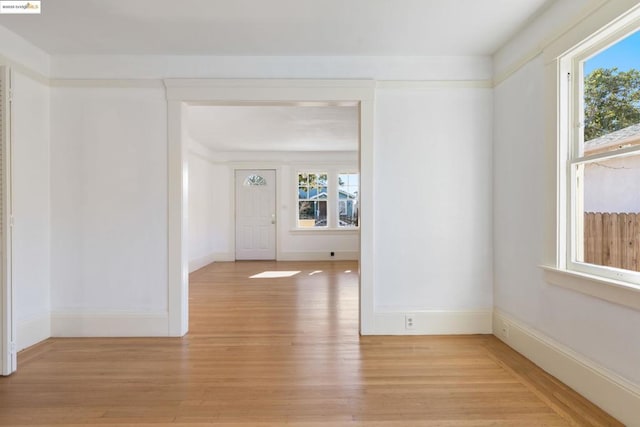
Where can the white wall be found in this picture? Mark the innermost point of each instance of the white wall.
(450, 292)
(211, 209)
(109, 210)
(433, 199)
(31, 209)
(210, 212)
(432, 151)
(599, 331)
(108, 174)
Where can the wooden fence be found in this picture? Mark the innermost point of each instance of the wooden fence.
(612, 239)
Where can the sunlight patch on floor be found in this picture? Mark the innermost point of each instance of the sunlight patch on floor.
(273, 274)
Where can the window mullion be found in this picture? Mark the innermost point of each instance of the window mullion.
(331, 199)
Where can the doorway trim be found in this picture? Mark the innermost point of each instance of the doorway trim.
(182, 92)
(8, 354)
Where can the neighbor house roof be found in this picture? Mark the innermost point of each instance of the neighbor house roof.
(313, 194)
(618, 139)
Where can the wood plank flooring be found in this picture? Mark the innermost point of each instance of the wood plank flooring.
(284, 351)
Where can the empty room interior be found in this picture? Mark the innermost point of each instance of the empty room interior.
(343, 213)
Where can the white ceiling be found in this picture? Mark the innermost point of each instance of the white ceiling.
(305, 127)
(274, 27)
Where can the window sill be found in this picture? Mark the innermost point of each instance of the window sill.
(607, 289)
(325, 230)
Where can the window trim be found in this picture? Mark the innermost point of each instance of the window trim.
(606, 283)
(575, 141)
(615, 291)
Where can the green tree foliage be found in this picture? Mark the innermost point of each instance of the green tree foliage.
(312, 179)
(611, 101)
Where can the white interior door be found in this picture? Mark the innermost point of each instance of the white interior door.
(255, 214)
(8, 360)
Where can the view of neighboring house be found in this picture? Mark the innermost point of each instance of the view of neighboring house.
(613, 185)
(348, 208)
(611, 202)
(313, 207)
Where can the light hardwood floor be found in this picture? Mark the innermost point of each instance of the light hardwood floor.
(285, 351)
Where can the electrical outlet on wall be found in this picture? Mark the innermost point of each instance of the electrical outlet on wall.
(504, 330)
(409, 321)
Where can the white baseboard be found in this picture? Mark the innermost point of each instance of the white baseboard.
(198, 263)
(32, 331)
(109, 324)
(614, 394)
(223, 256)
(432, 322)
(319, 256)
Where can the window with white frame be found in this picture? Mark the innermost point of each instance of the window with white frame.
(348, 190)
(327, 200)
(312, 199)
(602, 201)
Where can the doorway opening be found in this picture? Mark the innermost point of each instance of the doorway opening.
(183, 94)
